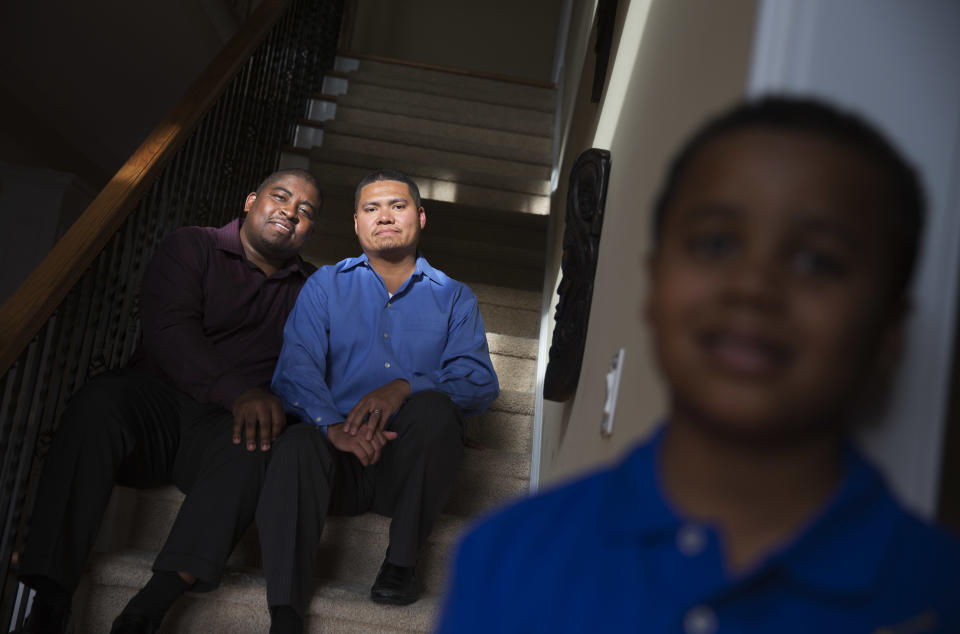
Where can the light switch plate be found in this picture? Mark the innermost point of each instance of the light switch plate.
(612, 387)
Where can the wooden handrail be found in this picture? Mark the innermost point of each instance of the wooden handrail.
(38, 296)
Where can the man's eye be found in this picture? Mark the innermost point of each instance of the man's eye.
(712, 245)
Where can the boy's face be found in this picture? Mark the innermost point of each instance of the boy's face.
(769, 297)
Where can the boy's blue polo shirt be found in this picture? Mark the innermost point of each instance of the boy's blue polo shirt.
(607, 554)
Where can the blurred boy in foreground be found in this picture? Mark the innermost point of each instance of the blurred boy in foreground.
(784, 241)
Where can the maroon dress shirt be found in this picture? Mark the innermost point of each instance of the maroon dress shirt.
(212, 322)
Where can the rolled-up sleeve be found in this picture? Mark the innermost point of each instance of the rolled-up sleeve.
(300, 377)
(465, 373)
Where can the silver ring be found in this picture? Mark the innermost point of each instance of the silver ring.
(377, 411)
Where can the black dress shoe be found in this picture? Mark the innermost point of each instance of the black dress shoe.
(396, 585)
(44, 619)
(132, 624)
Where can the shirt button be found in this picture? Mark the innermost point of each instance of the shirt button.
(385, 335)
(389, 304)
(387, 364)
(700, 619)
(319, 418)
(691, 540)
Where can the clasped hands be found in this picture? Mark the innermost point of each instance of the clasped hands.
(363, 433)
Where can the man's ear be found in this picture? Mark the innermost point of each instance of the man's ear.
(251, 197)
(423, 217)
(356, 229)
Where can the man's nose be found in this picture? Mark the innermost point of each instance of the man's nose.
(289, 213)
(754, 279)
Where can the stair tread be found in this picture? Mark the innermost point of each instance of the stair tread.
(332, 172)
(442, 96)
(331, 600)
(528, 186)
(350, 60)
(538, 148)
(515, 401)
(464, 80)
(340, 197)
(421, 150)
(521, 347)
(433, 141)
(504, 118)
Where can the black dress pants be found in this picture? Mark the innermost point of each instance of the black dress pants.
(133, 429)
(308, 478)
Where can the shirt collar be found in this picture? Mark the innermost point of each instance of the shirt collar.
(634, 497)
(840, 550)
(227, 239)
(422, 267)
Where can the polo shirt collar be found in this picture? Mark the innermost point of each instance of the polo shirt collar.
(634, 497)
(842, 548)
(839, 551)
(227, 239)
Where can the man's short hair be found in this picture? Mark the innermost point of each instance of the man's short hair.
(810, 116)
(293, 171)
(387, 175)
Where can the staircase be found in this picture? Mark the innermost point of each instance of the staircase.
(479, 148)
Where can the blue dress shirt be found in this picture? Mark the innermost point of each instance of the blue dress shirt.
(346, 336)
(608, 554)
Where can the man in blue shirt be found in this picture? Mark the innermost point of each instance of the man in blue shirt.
(382, 355)
(783, 243)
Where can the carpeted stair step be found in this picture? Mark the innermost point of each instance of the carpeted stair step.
(413, 151)
(444, 219)
(489, 478)
(240, 604)
(516, 145)
(455, 186)
(514, 373)
(459, 177)
(449, 109)
(351, 548)
(434, 81)
(453, 144)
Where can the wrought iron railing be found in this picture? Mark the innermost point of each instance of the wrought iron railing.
(92, 325)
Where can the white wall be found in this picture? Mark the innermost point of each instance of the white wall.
(898, 63)
(673, 63)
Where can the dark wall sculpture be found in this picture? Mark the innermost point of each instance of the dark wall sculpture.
(606, 19)
(586, 198)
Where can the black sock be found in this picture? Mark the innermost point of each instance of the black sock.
(155, 598)
(285, 620)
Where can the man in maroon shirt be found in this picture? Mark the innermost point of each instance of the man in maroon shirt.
(193, 407)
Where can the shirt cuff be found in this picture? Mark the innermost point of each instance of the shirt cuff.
(420, 384)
